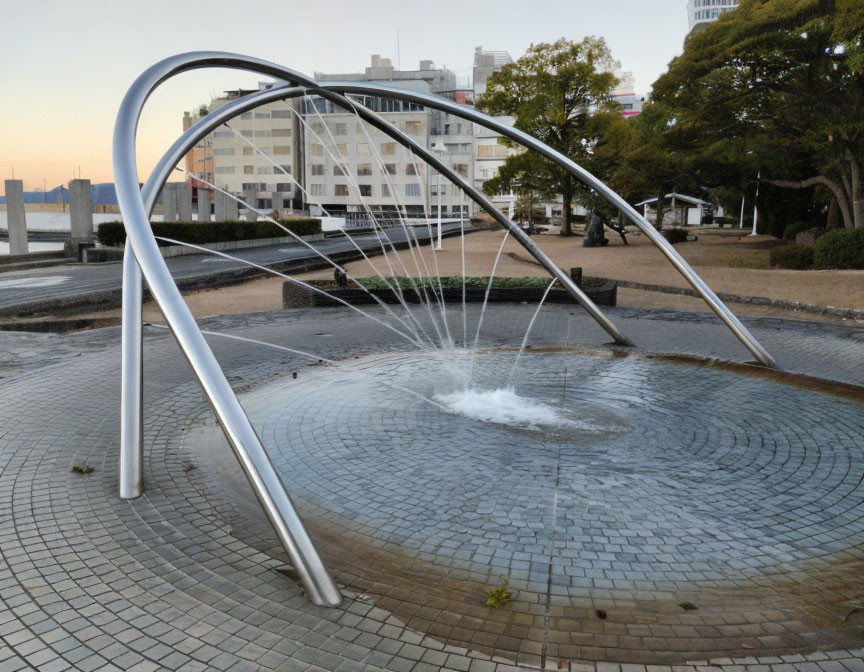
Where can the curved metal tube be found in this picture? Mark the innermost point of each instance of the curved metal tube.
(236, 425)
(238, 429)
(741, 332)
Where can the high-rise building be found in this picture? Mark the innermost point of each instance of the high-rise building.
(489, 154)
(701, 13)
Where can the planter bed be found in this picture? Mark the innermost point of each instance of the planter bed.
(600, 291)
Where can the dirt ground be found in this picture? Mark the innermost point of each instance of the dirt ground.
(728, 260)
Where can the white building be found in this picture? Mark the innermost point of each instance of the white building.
(701, 13)
(238, 165)
(625, 95)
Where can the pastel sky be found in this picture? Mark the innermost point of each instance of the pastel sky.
(67, 64)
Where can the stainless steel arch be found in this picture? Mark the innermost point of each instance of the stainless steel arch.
(233, 420)
(136, 207)
(131, 453)
(741, 332)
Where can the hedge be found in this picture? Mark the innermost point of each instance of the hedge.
(796, 257)
(840, 248)
(200, 233)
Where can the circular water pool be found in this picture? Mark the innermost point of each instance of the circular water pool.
(592, 472)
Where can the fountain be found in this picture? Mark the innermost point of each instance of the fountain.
(535, 421)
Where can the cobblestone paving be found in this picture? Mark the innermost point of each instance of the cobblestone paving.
(186, 577)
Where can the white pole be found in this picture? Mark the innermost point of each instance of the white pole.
(756, 204)
(741, 219)
(439, 211)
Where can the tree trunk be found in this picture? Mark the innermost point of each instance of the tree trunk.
(842, 200)
(658, 221)
(855, 193)
(833, 215)
(566, 201)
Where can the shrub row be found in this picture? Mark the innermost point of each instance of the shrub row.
(840, 248)
(796, 257)
(200, 233)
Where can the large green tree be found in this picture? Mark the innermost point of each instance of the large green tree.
(777, 84)
(656, 161)
(557, 93)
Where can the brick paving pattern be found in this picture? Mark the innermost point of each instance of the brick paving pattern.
(188, 577)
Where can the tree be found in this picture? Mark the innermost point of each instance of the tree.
(779, 82)
(657, 160)
(552, 92)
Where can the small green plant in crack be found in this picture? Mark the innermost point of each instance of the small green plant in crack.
(82, 469)
(688, 606)
(499, 596)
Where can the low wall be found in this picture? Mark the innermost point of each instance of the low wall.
(800, 306)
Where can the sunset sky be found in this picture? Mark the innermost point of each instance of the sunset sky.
(67, 65)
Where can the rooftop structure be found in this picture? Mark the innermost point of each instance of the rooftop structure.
(702, 13)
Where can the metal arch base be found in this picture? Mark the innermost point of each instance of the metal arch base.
(136, 207)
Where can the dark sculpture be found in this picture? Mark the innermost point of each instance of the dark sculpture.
(594, 232)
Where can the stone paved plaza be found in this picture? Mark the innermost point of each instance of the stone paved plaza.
(664, 483)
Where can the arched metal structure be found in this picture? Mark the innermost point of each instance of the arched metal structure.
(142, 253)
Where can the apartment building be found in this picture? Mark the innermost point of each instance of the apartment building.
(360, 167)
(489, 154)
(701, 13)
(308, 154)
(257, 154)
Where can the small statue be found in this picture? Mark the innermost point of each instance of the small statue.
(341, 277)
(594, 235)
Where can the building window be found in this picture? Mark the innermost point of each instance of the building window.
(282, 149)
(283, 186)
(413, 127)
(262, 115)
(225, 170)
(388, 148)
(316, 169)
(223, 151)
(433, 190)
(265, 170)
(338, 171)
(316, 127)
(412, 189)
(461, 168)
(364, 168)
(342, 149)
(316, 150)
(253, 186)
(248, 151)
(412, 169)
(263, 133)
(385, 190)
(246, 115)
(390, 168)
(340, 129)
(248, 170)
(223, 134)
(341, 190)
(281, 132)
(286, 169)
(246, 134)
(365, 189)
(280, 114)
(362, 149)
(316, 189)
